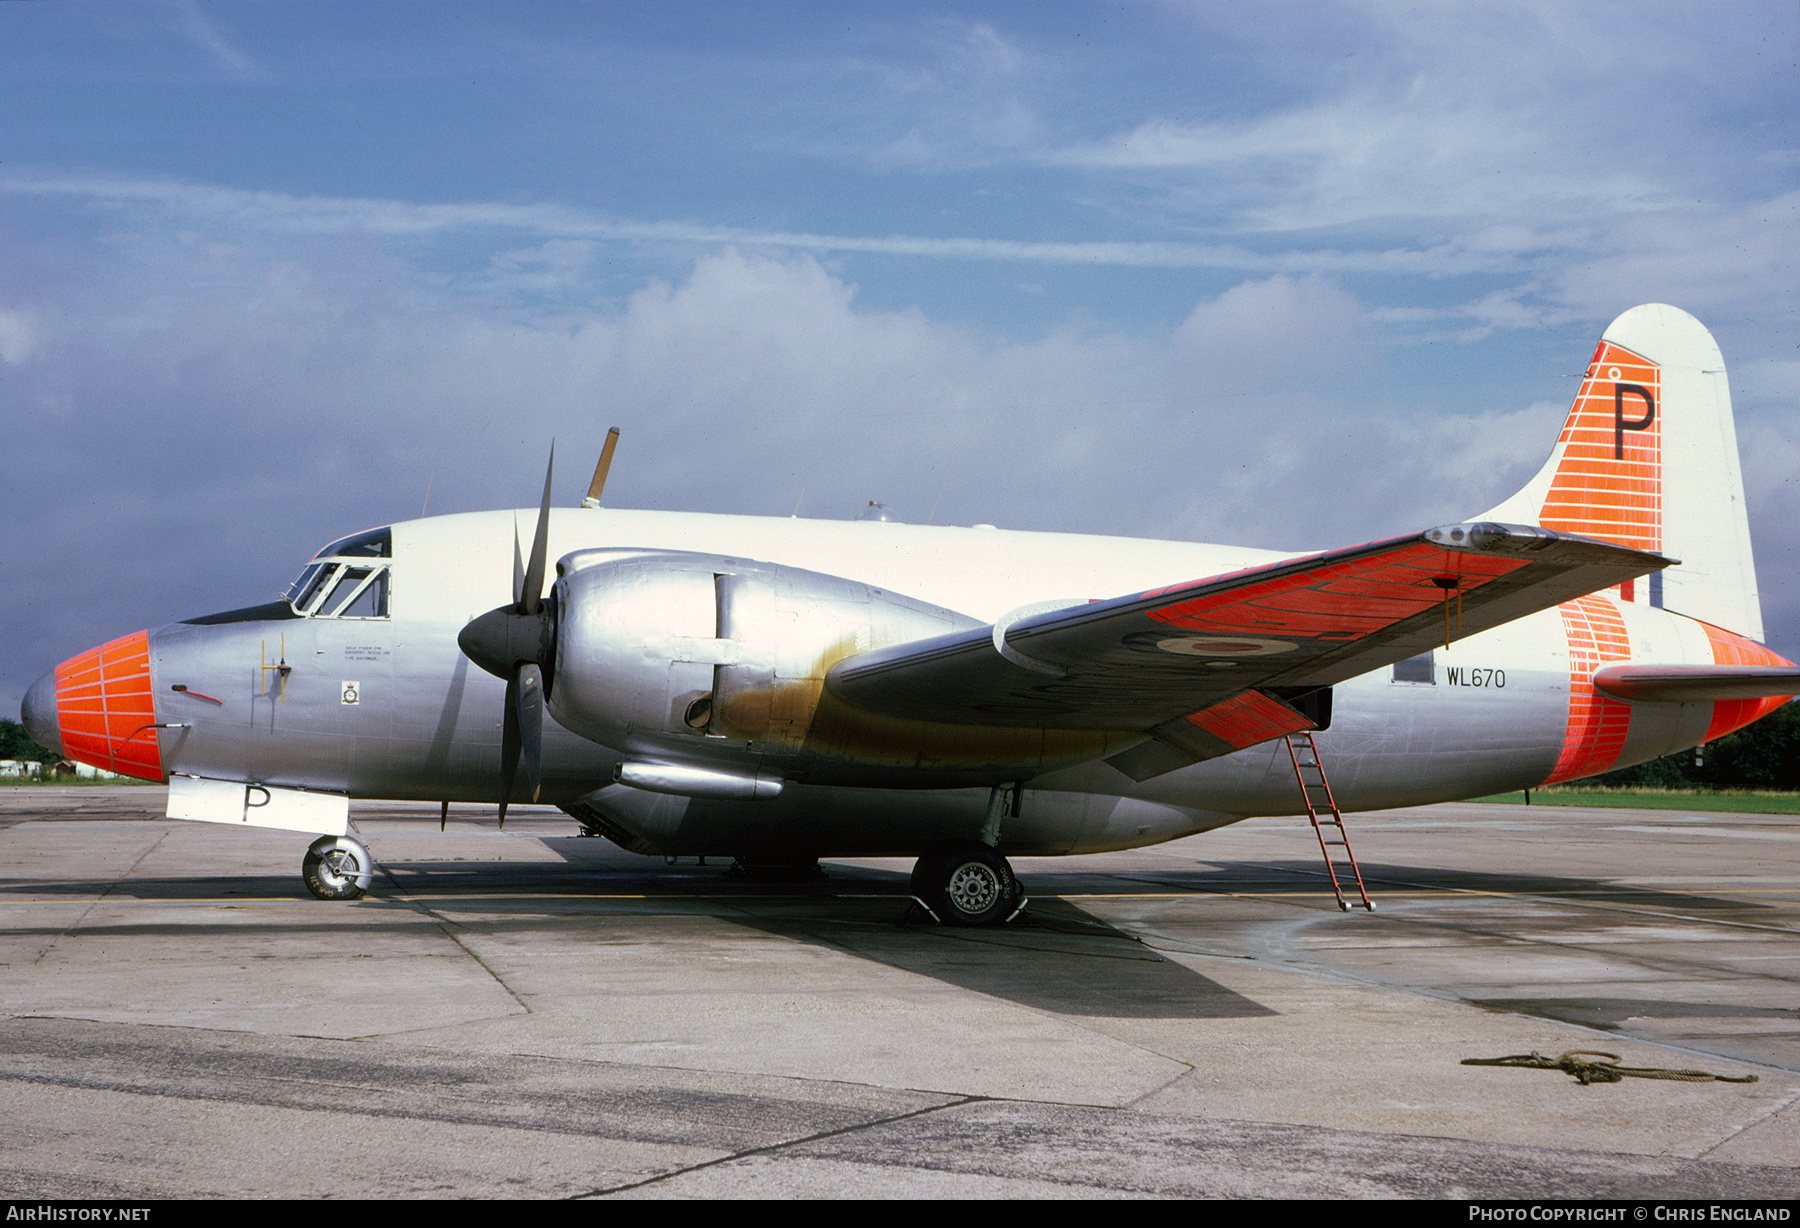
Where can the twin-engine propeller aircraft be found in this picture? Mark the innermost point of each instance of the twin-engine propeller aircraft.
(781, 690)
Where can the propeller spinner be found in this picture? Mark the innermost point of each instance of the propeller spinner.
(517, 642)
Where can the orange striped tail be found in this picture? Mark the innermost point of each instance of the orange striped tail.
(1648, 459)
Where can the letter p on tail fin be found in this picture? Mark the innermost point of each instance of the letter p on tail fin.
(1648, 458)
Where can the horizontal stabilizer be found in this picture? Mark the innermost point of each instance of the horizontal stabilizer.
(1672, 684)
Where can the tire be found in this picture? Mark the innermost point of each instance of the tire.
(331, 872)
(966, 883)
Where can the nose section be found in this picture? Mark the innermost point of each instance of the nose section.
(38, 713)
(102, 707)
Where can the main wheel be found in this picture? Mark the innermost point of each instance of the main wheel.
(336, 869)
(966, 883)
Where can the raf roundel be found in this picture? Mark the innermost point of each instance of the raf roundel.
(1209, 646)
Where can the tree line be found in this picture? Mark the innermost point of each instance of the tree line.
(15, 743)
(1765, 755)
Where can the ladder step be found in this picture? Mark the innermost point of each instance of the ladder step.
(1321, 809)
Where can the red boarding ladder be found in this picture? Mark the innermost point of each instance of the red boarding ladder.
(1321, 808)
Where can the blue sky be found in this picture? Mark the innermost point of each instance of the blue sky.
(1294, 275)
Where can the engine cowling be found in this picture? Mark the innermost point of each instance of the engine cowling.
(707, 658)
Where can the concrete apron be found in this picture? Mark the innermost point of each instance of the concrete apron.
(531, 1014)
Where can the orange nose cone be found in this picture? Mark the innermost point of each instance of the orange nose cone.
(104, 708)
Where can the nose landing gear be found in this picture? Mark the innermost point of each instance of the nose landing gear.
(337, 868)
(966, 883)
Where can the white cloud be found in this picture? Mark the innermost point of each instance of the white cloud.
(1702, 260)
(1362, 159)
(556, 266)
(264, 213)
(964, 102)
(18, 336)
(1273, 333)
(205, 34)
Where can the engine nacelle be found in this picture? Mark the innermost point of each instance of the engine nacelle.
(668, 654)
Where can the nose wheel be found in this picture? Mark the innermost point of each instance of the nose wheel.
(966, 883)
(337, 868)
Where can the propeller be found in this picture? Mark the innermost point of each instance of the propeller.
(517, 642)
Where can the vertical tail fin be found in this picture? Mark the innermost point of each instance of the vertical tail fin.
(1648, 458)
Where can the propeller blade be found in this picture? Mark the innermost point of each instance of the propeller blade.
(517, 642)
(518, 569)
(509, 747)
(598, 485)
(532, 599)
(529, 701)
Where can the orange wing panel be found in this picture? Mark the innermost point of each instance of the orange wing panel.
(1250, 718)
(1340, 600)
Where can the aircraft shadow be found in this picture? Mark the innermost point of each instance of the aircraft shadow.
(1058, 958)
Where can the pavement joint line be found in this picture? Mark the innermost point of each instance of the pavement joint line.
(445, 928)
(773, 1148)
(1160, 1088)
(1773, 1109)
(101, 898)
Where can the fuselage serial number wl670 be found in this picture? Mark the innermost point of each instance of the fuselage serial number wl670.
(1459, 675)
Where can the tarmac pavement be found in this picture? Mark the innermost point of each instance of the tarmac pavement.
(535, 1014)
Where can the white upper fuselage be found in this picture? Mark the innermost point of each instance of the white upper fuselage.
(451, 568)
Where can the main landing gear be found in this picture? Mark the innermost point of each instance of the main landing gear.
(337, 868)
(967, 883)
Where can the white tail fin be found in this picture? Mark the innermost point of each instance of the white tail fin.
(1649, 459)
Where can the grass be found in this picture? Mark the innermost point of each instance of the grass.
(1741, 801)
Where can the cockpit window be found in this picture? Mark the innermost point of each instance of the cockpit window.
(303, 590)
(347, 594)
(305, 593)
(375, 544)
(370, 599)
(343, 582)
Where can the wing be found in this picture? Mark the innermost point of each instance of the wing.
(1204, 667)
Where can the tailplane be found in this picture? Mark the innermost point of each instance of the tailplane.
(1648, 459)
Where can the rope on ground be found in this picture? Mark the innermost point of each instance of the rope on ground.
(1606, 1070)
